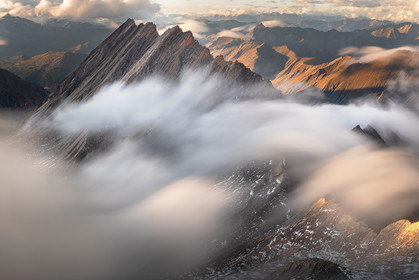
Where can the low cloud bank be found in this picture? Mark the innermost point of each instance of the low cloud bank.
(148, 204)
(56, 226)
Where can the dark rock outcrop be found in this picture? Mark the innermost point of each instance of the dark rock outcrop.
(370, 133)
(315, 269)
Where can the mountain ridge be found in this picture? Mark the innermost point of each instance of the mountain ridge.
(131, 54)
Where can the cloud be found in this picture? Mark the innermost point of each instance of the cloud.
(237, 32)
(90, 10)
(208, 133)
(274, 23)
(366, 176)
(230, 33)
(214, 123)
(66, 220)
(3, 42)
(371, 53)
(394, 10)
(196, 27)
(148, 204)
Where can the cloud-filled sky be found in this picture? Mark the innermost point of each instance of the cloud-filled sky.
(96, 10)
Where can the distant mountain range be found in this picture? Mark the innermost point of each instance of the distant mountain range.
(298, 58)
(20, 36)
(319, 22)
(324, 46)
(47, 69)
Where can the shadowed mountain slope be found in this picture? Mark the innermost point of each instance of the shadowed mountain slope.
(46, 69)
(16, 93)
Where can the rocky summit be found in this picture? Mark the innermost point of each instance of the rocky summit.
(132, 53)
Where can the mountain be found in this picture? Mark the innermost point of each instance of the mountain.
(259, 57)
(343, 25)
(132, 53)
(319, 22)
(268, 238)
(324, 46)
(321, 241)
(405, 32)
(326, 232)
(296, 59)
(24, 37)
(346, 78)
(46, 69)
(16, 93)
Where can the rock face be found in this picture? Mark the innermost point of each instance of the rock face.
(134, 52)
(316, 269)
(319, 242)
(16, 93)
(46, 69)
(322, 241)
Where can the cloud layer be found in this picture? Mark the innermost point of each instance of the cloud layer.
(90, 10)
(149, 204)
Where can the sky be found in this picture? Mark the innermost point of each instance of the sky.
(118, 10)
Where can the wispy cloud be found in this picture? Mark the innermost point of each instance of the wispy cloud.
(274, 23)
(371, 53)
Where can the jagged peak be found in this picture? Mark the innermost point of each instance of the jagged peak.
(172, 30)
(177, 30)
(149, 27)
(129, 22)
